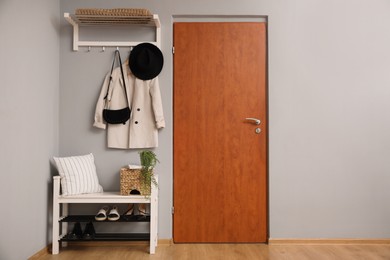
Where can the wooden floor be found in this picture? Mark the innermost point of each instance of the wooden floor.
(226, 252)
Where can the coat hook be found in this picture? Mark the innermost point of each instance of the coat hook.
(103, 49)
(117, 48)
(89, 48)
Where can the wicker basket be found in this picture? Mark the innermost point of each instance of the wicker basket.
(114, 12)
(131, 180)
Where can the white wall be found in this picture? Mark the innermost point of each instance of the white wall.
(328, 98)
(29, 87)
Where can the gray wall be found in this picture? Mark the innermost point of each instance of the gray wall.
(328, 98)
(329, 132)
(29, 70)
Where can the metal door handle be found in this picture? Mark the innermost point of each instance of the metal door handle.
(255, 120)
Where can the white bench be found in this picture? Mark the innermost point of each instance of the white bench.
(60, 212)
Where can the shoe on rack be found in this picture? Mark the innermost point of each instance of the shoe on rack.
(142, 214)
(113, 215)
(129, 212)
(76, 232)
(89, 232)
(102, 214)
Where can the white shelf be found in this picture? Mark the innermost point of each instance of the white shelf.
(100, 20)
(104, 197)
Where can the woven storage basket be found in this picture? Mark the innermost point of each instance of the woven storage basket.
(131, 180)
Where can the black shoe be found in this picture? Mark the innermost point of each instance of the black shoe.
(142, 214)
(129, 214)
(76, 233)
(89, 232)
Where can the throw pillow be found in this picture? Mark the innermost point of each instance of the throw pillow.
(78, 174)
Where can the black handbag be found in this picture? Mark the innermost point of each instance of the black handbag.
(116, 116)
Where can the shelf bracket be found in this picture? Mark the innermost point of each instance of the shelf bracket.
(75, 31)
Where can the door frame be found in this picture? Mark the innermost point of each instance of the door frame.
(224, 18)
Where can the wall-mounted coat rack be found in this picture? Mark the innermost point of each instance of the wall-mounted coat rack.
(96, 20)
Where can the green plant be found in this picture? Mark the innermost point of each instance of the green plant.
(148, 161)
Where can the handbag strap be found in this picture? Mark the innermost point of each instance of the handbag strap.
(117, 53)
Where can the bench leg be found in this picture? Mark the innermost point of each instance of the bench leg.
(56, 228)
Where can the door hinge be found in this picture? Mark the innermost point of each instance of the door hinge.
(173, 49)
(173, 210)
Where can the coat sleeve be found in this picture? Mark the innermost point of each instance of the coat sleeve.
(157, 103)
(99, 122)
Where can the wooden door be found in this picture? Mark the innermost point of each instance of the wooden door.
(220, 162)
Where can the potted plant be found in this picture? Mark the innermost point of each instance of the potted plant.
(148, 161)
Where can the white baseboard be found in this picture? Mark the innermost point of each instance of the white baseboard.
(328, 241)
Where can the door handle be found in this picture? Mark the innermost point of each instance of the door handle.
(254, 120)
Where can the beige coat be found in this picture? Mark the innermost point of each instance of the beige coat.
(140, 131)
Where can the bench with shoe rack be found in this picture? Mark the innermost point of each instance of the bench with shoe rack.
(83, 225)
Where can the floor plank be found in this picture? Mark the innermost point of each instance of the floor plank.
(226, 252)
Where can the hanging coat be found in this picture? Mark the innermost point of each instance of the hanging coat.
(141, 130)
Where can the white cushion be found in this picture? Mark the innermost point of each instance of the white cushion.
(78, 174)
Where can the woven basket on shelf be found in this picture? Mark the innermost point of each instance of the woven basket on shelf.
(130, 179)
(114, 12)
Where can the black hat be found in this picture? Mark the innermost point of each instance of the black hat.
(146, 61)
